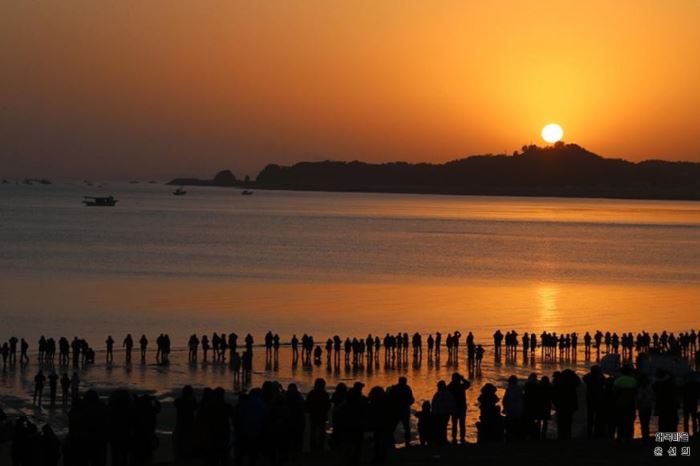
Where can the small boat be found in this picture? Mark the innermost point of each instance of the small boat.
(91, 201)
(179, 192)
(245, 192)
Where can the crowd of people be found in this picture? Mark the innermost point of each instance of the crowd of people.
(278, 422)
(355, 351)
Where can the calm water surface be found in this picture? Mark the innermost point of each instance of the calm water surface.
(327, 263)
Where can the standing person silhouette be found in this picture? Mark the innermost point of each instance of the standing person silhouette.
(192, 346)
(128, 345)
(295, 349)
(276, 348)
(236, 366)
(110, 349)
(5, 355)
(143, 344)
(565, 400)
(53, 388)
(232, 344)
(13, 350)
(205, 347)
(268, 346)
(595, 391)
(65, 387)
(39, 380)
(458, 387)
(23, 347)
(74, 388)
(479, 358)
(402, 399)
(443, 405)
(249, 343)
(497, 339)
(317, 405)
(183, 434)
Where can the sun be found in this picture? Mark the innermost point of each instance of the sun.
(552, 133)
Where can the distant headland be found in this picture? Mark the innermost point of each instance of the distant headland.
(223, 178)
(562, 170)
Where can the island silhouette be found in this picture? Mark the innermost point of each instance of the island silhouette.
(561, 170)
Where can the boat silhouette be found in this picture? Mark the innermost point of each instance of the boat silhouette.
(92, 201)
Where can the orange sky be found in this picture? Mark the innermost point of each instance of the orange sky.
(158, 88)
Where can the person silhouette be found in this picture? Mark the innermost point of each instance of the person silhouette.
(75, 387)
(490, 424)
(143, 346)
(479, 355)
(159, 348)
(192, 346)
(236, 366)
(513, 408)
(205, 347)
(565, 400)
(39, 380)
(276, 347)
(667, 405)
(380, 422)
(268, 345)
(120, 414)
(645, 405)
(438, 344)
(232, 344)
(443, 406)
(65, 387)
(318, 353)
(595, 391)
(24, 347)
(425, 425)
(5, 355)
(458, 386)
(49, 446)
(401, 397)
(249, 343)
(317, 405)
(497, 340)
(128, 344)
(295, 349)
(183, 434)
(13, 350)
(110, 349)
(53, 388)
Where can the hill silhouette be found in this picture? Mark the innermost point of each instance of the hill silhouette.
(223, 178)
(559, 170)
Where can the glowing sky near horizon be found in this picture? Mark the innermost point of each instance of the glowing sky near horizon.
(123, 89)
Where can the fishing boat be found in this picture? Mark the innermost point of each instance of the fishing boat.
(245, 192)
(179, 192)
(91, 201)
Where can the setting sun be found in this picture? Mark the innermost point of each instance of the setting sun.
(552, 133)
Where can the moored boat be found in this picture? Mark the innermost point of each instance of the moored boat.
(92, 201)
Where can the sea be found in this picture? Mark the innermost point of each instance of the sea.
(325, 264)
